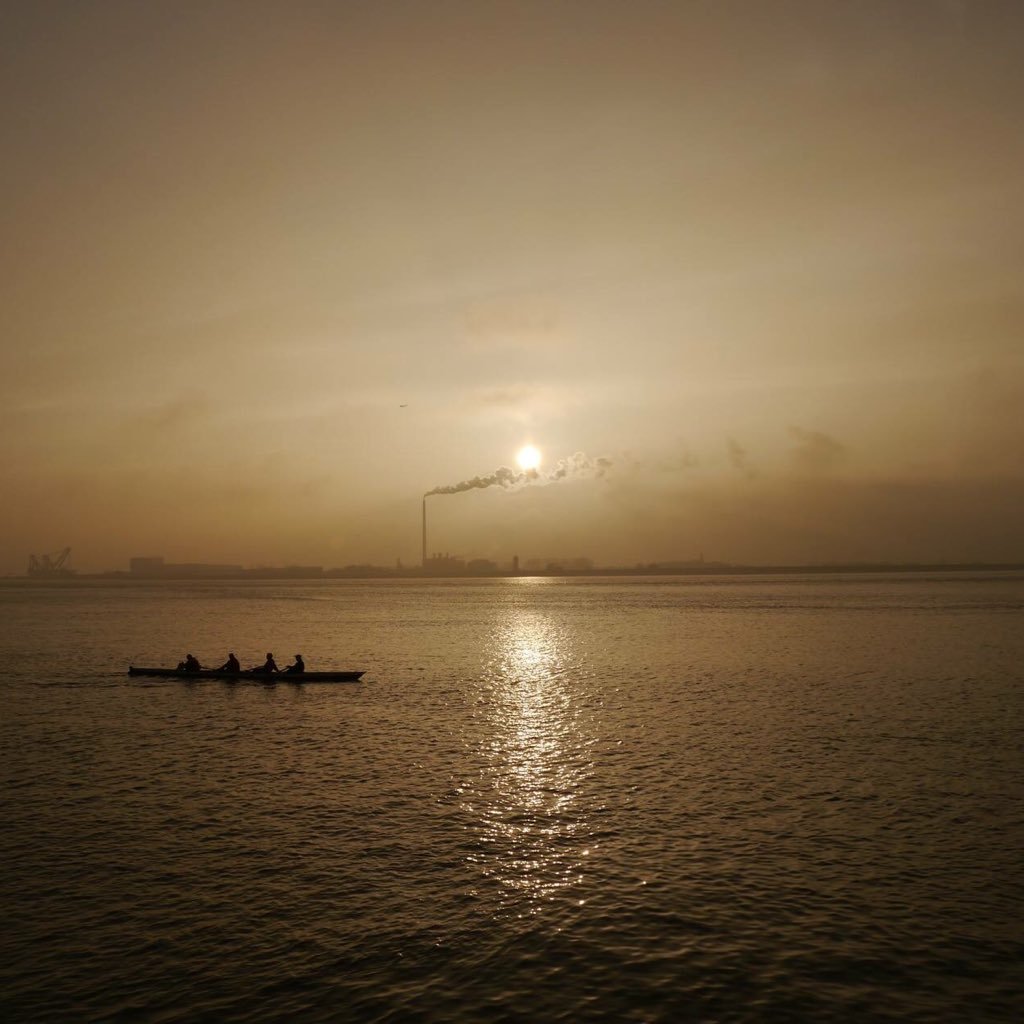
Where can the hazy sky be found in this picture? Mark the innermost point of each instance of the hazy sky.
(271, 271)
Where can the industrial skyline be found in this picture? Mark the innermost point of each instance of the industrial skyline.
(441, 564)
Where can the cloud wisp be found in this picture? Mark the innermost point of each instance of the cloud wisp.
(815, 452)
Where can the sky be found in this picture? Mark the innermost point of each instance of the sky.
(753, 271)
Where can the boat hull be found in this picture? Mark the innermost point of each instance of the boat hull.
(263, 677)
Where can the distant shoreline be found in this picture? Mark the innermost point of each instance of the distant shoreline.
(376, 572)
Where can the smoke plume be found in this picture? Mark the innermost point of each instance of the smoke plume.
(577, 466)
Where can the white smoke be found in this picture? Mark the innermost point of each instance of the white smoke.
(577, 466)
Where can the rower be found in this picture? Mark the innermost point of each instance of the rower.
(268, 666)
(231, 665)
(298, 667)
(192, 663)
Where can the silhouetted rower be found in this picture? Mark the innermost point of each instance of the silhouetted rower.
(298, 667)
(268, 666)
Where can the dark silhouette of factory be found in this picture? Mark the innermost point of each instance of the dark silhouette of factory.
(54, 568)
(452, 565)
(154, 567)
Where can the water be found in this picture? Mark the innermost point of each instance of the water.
(714, 799)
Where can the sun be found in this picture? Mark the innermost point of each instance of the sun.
(528, 457)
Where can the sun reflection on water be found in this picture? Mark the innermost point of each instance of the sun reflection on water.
(532, 824)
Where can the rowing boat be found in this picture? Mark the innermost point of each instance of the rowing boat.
(263, 677)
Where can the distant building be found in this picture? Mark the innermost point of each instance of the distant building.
(577, 564)
(201, 570)
(150, 566)
(444, 565)
(481, 565)
(155, 566)
(286, 572)
(361, 571)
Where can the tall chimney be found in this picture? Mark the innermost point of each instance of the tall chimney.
(423, 563)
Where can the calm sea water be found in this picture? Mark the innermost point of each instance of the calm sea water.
(708, 799)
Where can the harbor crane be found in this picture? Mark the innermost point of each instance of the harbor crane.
(50, 565)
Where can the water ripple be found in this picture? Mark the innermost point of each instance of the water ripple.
(548, 801)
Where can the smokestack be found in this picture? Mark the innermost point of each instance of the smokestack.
(423, 562)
